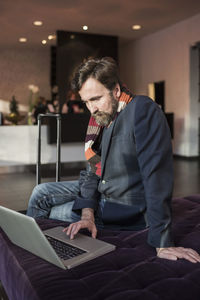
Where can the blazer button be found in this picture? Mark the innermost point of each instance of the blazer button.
(103, 181)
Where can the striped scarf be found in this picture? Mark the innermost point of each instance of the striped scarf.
(94, 132)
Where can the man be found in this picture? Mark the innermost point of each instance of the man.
(130, 179)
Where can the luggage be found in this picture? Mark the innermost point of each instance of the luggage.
(38, 163)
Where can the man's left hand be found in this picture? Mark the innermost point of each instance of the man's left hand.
(174, 253)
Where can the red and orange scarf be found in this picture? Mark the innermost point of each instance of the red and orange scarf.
(94, 132)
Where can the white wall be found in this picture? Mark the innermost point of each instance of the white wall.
(20, 67)
(165, 55)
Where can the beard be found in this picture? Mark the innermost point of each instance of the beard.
(104, 118)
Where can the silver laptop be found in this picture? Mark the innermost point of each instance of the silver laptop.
(53, 244)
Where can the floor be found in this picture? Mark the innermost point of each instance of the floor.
(15, 189)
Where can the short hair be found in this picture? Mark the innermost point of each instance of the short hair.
(104, 70)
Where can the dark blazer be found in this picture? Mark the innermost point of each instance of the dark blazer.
(137, 173)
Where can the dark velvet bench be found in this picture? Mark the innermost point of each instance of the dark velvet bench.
(131, 272)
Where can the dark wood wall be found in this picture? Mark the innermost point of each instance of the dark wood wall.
(71, 49)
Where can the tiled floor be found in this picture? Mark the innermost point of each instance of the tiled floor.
(15, 189)
(186, 177)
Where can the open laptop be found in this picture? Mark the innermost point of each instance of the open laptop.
(25, 232)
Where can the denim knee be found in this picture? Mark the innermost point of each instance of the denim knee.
(47, 195)
(38, 192)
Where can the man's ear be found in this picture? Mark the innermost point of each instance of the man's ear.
(117, 91)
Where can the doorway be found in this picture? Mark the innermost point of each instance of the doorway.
(195, 96)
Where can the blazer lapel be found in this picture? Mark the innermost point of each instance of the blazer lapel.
(106, 140)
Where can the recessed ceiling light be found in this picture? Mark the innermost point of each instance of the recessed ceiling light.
(22, 40)
(52, 37)
(37, 23)
(44, 42)
(85, 27)
(136, 27)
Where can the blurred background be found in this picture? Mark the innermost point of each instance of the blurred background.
(157, 47)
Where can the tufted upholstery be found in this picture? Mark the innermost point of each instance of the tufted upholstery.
(131, 272)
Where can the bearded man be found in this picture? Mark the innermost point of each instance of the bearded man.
(129, 181)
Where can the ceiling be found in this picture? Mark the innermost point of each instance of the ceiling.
(110, 17)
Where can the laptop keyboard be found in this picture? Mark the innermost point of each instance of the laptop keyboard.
(63, 250)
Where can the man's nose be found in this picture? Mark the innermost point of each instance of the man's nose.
(92, 107)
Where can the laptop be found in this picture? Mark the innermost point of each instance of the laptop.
(53, 245)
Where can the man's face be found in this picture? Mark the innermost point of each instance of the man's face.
(101, 103)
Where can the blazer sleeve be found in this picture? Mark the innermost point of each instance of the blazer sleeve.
(154, 153)
(88, 195)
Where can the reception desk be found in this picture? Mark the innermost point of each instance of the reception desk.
(18, 146)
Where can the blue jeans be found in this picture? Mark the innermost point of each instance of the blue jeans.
(55, 200)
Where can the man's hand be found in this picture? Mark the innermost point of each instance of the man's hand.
(74, 228)
(174, 253)
(87, 221)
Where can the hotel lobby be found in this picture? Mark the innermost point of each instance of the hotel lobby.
(156, 45)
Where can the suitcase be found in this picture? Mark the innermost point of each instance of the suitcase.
(38, 163)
